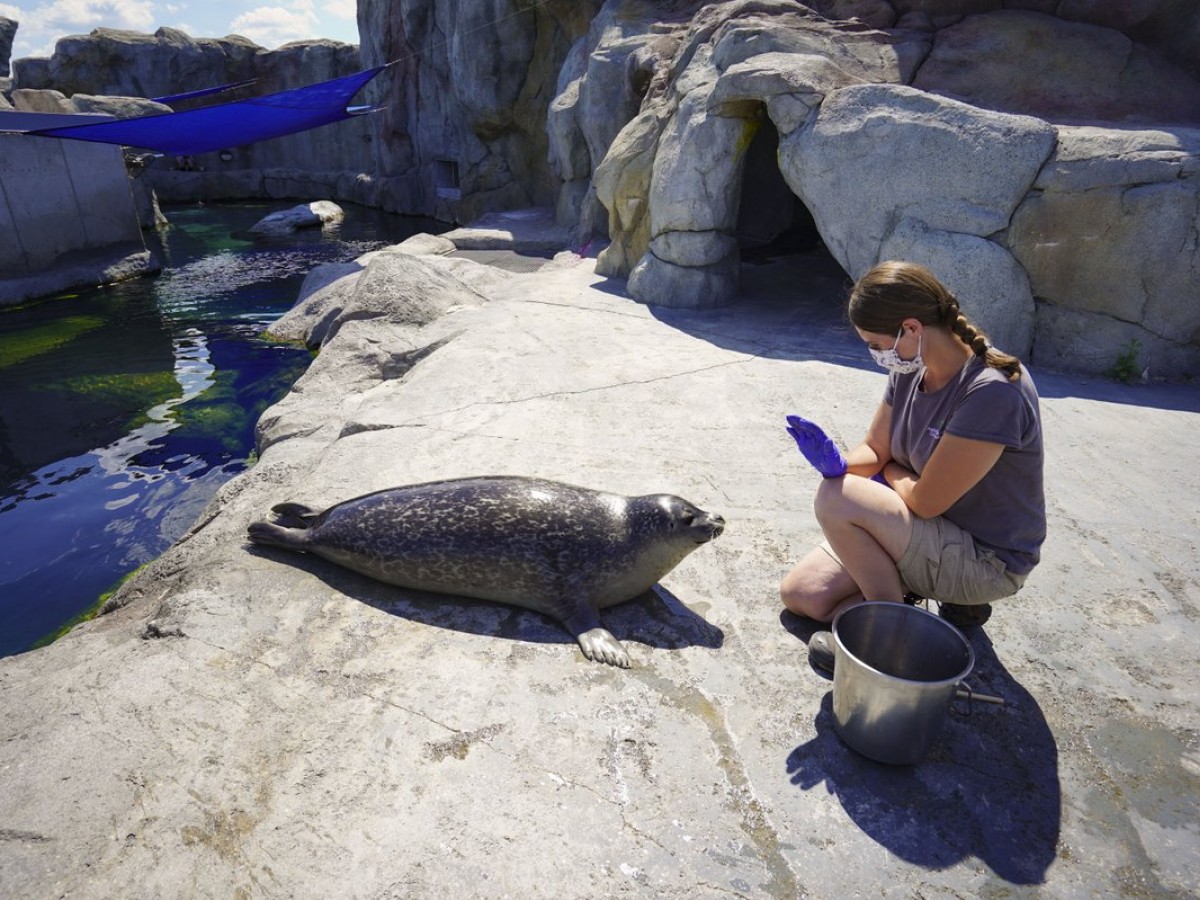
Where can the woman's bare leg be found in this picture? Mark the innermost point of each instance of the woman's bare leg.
(868, 526)
(818, 587)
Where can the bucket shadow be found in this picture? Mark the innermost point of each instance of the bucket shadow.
(656, 619)
(988, 789)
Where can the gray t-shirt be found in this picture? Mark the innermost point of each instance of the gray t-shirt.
(1006, 510)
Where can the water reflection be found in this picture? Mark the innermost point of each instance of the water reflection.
(123, 409)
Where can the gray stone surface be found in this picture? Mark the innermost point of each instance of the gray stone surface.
(470, 93)
(426, 245)
(398, 288)
(622, 183)
(133, 64)
(1077, 73)
(259, 724)
(870, 155)
(303, 215)
(992, 286)
(517, 229)
(875, 136)
(79, 269)
(8, 30)
(1130, 200)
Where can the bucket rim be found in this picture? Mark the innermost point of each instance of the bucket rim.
(941, 682)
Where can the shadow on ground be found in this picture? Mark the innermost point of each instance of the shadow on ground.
(794, 307)
(989, 788)
(791, 307)
(656, 619)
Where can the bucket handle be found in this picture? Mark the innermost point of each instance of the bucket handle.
(966, 692)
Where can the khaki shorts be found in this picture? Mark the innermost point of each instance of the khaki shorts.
(943, 562)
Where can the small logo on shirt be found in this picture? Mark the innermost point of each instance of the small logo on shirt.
(934, 433)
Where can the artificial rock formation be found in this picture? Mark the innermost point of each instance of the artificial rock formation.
(1044, 165)
(129, 63)
(305, 215)
(1040, 155)
(8, 30)
(325, 163)
(465, 127)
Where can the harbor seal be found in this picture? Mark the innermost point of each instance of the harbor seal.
(555, 548)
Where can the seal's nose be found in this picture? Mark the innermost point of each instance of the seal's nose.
(717, 523)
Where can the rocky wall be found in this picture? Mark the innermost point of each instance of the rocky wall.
(465, 129)
(1044, 166)
(940, 129)
(8, 30)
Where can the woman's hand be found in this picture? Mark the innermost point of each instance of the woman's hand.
(817, 448)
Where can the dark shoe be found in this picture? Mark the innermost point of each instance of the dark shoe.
(820, 651)
(961, 616)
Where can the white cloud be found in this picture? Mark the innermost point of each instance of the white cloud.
(270, 26)
(40, 27)
(341, 9)
(42, 22)
(84, 15)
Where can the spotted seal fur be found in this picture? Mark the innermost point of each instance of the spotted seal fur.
(555, 548)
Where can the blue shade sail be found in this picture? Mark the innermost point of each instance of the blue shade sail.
(228, 124)
(204, 92)
(14, 122)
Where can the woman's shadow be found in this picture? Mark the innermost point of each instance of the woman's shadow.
(656, 618)
(989, 787)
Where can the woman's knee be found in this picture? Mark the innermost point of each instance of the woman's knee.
(832, 502)
(813, 587)
(794, 592)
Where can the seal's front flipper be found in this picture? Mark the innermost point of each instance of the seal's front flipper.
(599, 645)
(580, 617)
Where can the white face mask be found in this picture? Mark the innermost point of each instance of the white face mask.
(890, 359)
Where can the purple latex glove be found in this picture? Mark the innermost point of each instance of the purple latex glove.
(817, 448)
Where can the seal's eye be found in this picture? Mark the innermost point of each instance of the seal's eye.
(688, 518)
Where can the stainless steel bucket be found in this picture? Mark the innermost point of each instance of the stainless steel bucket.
(896, 670)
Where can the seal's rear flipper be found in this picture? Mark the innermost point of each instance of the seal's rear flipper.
(277, 536)
(294, 515)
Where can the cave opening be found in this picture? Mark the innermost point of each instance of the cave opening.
(772, 221)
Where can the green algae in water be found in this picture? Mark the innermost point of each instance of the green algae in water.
(18, 346)
(123, 390)
(221, 421)
(225, 413)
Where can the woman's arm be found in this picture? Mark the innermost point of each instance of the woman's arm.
(869, 457)
(955, 467)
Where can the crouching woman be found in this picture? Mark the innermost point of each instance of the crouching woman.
(943, 498)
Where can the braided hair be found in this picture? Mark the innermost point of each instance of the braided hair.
(894, 291)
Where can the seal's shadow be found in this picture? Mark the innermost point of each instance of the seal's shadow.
(988, 789)
(656, 619)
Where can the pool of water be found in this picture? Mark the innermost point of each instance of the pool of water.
(123, 409)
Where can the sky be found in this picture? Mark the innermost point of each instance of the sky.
(40, 23)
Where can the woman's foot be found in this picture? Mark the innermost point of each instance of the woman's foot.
(820, 651)
(961, 616)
